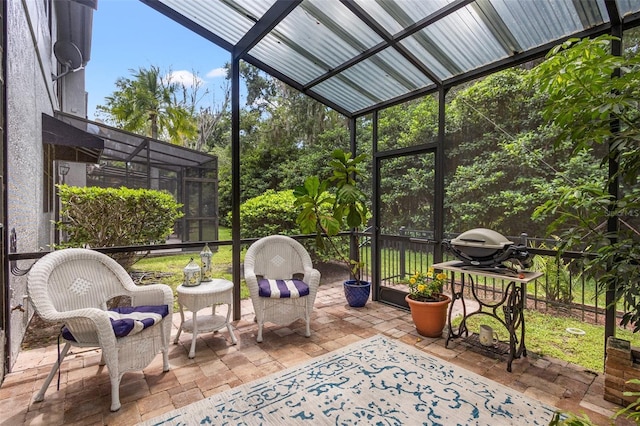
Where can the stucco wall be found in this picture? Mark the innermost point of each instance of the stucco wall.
(29, 94)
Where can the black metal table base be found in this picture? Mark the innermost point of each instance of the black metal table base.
(509, 311)
(499, 350)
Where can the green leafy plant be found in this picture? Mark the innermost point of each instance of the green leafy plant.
(561, 418)
(631, 411)
(267, 214)
(592, 98)
(110, 217)
(332, 205)
(427, 287)
(557, 285)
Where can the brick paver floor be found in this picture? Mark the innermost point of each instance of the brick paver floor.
(84, 395)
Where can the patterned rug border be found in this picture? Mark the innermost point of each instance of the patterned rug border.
(287, 385)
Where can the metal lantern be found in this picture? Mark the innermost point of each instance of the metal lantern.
(205, 258)
(192, 274)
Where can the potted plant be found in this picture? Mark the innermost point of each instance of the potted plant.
(330, 206)
(427, 302)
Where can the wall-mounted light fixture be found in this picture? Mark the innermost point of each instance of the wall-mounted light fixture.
(63, 170)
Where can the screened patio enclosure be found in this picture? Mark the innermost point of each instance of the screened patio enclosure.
(136, 161)
(360, 57)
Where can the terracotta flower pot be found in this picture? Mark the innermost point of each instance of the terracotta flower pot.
(429, 317)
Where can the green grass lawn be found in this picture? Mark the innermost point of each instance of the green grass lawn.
(168, 269)
(547, 335)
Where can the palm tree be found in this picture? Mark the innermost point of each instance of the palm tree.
(147, 104)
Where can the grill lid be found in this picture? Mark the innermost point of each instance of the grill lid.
(487, 248)
(482, 238)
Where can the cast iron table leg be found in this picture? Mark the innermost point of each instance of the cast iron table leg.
(514, 318)
(457, 295)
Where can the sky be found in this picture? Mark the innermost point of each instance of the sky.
(128, 35)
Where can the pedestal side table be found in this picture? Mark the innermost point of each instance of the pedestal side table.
(207, 294)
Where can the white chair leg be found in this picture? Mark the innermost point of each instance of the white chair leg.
(115, 393)
(165, 360)
(231, 334)
(260, 325)
(175, 341)
(113, 364)
(40, 395)
(194, 336)
(164, 339)
(307, 317)
(308, 331)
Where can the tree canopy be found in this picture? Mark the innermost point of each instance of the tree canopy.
(593, 99)
(153, 105)
(504, 157)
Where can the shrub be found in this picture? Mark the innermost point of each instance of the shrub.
(110, 217)
(268, 214)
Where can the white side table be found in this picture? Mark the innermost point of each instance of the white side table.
(211, 293)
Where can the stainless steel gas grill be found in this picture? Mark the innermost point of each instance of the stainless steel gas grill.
(483, 254)
(483, 248)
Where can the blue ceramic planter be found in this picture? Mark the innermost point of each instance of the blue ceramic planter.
(357, 294)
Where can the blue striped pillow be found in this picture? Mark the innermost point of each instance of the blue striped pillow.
(127, 320)
(279, 289)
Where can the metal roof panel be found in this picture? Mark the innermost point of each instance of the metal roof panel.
(345, 93)
(628, 6)
(287, 60)
(387, 74)
(537, 23)
(333, 49)
(125, 146)
(229, 20)
(396, 15)
(313, 39)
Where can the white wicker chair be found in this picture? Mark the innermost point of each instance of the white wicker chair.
(278, 257)
(73, 286)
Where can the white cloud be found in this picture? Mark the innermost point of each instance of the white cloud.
(217, 72)
(186, 78)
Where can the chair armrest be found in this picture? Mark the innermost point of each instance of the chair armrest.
(249, 270)
(252, 281)
(311, 277)
(152, 294)
(58, 316)
(92, 320)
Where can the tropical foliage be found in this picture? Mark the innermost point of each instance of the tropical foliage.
(332, 205)
(498, 145)
(503, 157)
(593, 101)
(149, 104)
(268, 214)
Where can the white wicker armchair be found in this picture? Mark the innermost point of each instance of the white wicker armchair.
(280, 258)
(73, 286)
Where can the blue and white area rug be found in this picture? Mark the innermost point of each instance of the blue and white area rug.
(377, 381)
